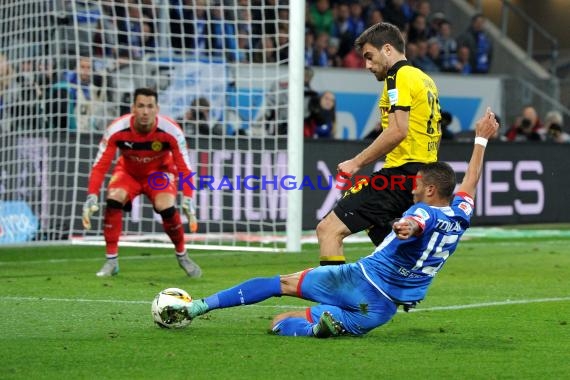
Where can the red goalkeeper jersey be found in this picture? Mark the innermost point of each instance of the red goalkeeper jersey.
(162, 150)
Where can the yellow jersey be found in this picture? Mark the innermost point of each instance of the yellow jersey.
(407, 88)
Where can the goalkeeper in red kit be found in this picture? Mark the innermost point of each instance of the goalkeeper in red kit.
(153, 154)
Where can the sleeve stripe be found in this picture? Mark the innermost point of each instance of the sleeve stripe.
(400, 108)
(467, 197)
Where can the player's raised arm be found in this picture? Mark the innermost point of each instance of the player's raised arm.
(485, 128)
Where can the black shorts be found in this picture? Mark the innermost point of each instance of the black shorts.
(375, 203)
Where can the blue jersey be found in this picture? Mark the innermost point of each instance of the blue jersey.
(402, 270)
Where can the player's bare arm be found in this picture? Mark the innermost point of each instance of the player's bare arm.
(390, 138)
(485, 128)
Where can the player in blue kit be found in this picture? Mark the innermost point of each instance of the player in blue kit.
(355, 298)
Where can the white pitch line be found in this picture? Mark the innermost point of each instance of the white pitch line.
(365, 251)
(102, 258)
(433, 308)
(494, 303)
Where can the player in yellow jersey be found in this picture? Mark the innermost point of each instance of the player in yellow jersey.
(410, 137)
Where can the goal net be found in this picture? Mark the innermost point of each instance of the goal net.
(68, 68)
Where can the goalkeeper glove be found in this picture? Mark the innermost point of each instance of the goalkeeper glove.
(89, 207)
(190, 212)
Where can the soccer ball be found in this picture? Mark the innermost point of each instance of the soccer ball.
(170, 319)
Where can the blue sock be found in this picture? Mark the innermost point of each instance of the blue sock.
(246, 293)
(294, 326)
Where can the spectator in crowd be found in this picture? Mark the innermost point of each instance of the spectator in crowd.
(374, 17)
(554, 124)
(342, 29)
(243, 51)
(353, 60)
(45, 73)
(448, 46)
(190, 29)
(73, 102)
(395, 13)
(316, 55)
(197, 119)
(333, 58)
(321, 16)
(309, 45)
(185, 24)
(411, 52)
(223, 25)
(28, 97)
(434, 52)
(434, 24)
(277, 103)
(105, 36)
(527, 126)
(418, 29)
(423, 60)
(423, 8)
(270, 16)
(557, 135)
(135, 34)
(356, 20)
(463, 64)
(265, 51)
(322, 116)
(479, 44)
(283, 43)
(282, 14)
(308, 91)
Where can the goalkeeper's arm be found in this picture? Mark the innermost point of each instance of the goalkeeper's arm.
(89, 207)
(190, 212)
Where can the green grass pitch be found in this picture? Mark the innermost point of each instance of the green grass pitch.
(498, 310)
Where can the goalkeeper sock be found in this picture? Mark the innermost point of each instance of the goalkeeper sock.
(332, 260)
(246, 293)
(172, 225)
(112, 228)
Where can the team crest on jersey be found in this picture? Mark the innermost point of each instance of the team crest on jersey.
(466, 207)
(423, 214)
(393, 96)
(156, 146)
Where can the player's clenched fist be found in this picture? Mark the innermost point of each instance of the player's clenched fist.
(89, 207)
(190, 212)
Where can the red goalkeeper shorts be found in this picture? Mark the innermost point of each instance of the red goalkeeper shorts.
(150, 185)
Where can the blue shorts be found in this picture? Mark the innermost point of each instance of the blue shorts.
(344, 291)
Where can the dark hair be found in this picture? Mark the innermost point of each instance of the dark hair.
(145, 91)
(380, 34)
(476, 16)
(442, 176)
